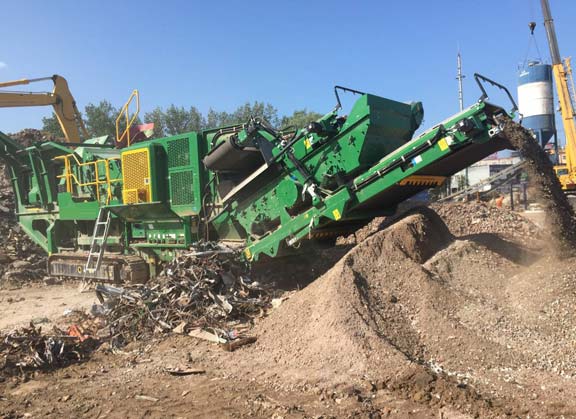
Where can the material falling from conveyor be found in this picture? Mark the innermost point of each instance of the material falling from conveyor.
(541, 173)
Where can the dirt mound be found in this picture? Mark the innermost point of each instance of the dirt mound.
(472, 218)
(423, 315)
(360, 316)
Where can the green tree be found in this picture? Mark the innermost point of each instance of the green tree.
(157, 117)
(51, 125)
(258, 109)
(178, 120)
(216, 119)
(300, 119)
(462, 182)
(242, 114)
(101, 119)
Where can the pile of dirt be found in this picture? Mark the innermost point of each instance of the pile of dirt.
(434, 319)
(474, 218)
(541, 173)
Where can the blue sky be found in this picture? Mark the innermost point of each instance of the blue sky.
(221, 54)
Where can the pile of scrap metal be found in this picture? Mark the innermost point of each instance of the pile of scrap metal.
(202, 294)
(26, 350)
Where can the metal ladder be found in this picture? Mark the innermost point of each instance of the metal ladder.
(98, 244)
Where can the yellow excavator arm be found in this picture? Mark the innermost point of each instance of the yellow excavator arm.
(60, 98)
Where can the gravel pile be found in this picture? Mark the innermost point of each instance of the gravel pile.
(440, 320)
(469, 218)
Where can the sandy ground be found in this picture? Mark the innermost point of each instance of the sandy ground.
(21, 306)
(411, 323)
(135, 385)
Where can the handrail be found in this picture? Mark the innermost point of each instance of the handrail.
(480, 78)
(72, 179)
(124, 112)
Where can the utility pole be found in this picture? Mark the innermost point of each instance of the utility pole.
(460, 77)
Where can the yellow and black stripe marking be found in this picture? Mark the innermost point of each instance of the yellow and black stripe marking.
(422, 180)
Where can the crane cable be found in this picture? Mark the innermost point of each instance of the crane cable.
(532, 38)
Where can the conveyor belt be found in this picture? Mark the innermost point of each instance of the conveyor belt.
(500, 178)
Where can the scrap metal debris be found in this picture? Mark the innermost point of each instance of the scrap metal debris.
(201, 294)
(21, 260)
(232, 346)
(180, 371)
(207, 296)
(25, 350)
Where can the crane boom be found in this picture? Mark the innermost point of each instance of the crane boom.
(60, 98)
(561, 71)
(551, 32)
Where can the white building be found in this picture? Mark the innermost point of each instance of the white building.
(482, 170)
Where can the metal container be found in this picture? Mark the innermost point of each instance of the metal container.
(536, 100)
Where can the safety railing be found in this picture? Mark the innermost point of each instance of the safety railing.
(72, 180)
(124, 116)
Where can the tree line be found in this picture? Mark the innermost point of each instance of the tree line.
(100, 119)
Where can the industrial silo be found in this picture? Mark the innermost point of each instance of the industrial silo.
(536, 100)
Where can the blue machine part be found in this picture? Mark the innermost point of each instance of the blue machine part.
(536, 100)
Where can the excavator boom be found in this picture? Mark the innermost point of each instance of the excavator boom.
(60, 98)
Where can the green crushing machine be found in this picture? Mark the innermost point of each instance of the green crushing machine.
(114, 214)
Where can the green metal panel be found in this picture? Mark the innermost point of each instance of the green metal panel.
(182, 189)
(71, 209)
(185, 173)
(178, 152)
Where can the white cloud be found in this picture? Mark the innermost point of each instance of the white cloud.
(3, 65)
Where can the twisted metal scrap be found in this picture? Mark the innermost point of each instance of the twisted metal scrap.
(27, 349)
(193, 291)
